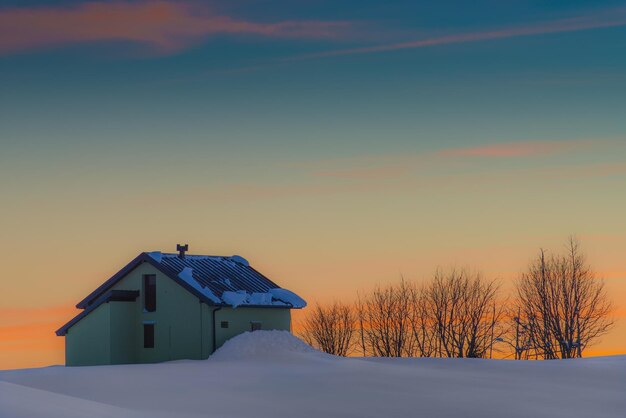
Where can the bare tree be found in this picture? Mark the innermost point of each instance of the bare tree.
(518, 336)
(563, 308)
(385, 320)
(422, 322)
(457, 314)
(465, 313)
(331, 328)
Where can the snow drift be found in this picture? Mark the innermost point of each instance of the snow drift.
(263, 345)
(270, 374)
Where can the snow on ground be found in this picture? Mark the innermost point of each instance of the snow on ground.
(271, 373)
(23, 402)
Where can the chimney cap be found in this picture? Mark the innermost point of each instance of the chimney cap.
(182, 249)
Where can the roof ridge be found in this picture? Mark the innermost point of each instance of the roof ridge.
(190, 255)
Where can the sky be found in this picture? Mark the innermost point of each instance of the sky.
(335, 144)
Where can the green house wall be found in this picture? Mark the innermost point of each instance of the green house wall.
(88, 341)
(239, 320)
(123, 333)
(183, 327)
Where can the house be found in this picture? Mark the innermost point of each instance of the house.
(174, 306)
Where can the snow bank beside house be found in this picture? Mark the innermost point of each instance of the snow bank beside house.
(259, 345)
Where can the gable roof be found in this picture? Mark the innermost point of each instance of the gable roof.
(215, 280)
(210, 278)
(110, 296)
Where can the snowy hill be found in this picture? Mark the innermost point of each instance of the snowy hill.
(273, 374)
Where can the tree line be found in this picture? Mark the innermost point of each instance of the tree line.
(558, 309)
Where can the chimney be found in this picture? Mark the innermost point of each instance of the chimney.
(181, 250)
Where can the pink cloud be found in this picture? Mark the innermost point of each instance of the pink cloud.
(394, 166)
(164, 25)
(607, 19)
(515, 149)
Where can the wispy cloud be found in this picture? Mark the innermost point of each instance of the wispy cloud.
(369, 167)
(517, 149)
(163, 25)
(421, 180)
(605, 19)
(454, 167)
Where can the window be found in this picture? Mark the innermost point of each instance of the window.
(255, 326)
(149, 292)
(224, 324)
(148, 335)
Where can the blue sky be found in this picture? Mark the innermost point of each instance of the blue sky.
(235, 89)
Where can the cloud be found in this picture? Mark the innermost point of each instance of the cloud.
(164, 25)
(381, 167)
(606, 19)
(405, 177)
(516, 149)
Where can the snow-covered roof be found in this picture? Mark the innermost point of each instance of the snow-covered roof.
(217, 280)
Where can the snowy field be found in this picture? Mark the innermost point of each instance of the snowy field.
(272, 374)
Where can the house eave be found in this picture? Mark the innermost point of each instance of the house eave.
(83, 304)
(110, 296)
(141, 258)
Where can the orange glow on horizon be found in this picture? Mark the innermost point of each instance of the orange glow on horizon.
(33, 343)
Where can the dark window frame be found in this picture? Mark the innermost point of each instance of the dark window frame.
(256, 326)
(148, 335)
(149, 293)
(224, 324)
